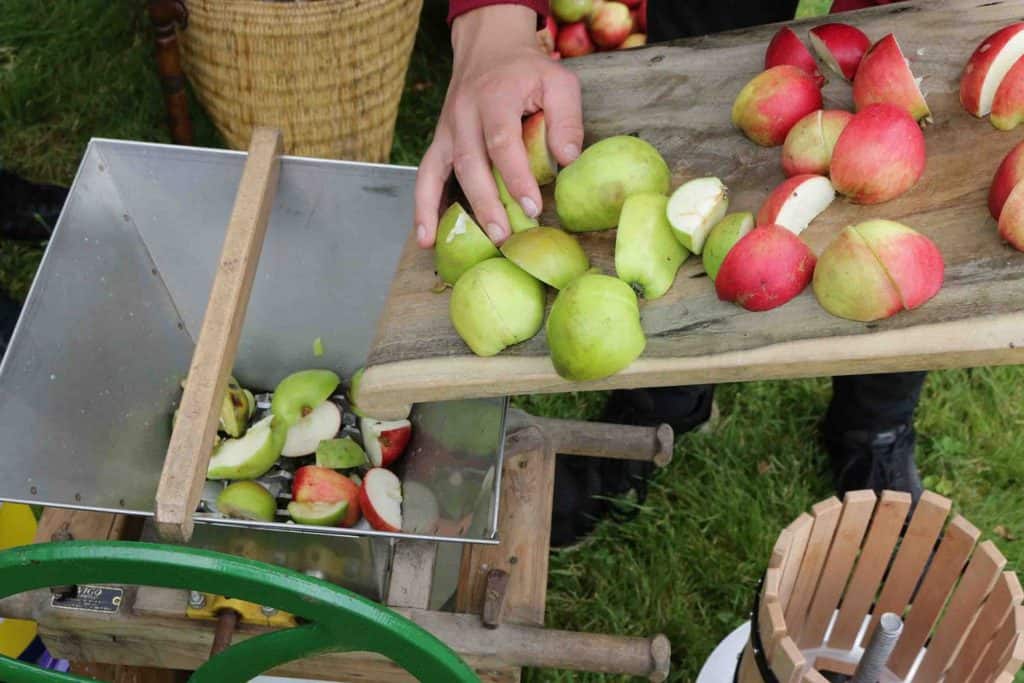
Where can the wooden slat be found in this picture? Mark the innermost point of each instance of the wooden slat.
(801, 533)
(839, 666)
(1007, 593)
(412, 574)
(915, 549)
(1012, 662)
(812, 676)
(188, 454)
(978, 580)
(857, 509)
(945, 569)
(788, 662)
(886, 525)
(990, 661)
(826, 517)
(781, 550)
(772, 625)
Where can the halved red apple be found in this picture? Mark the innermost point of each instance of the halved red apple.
(1008, 105)
(841, 47)
(314, 484)
(796, 202)
(987, 66)
(787, 48)
(1011, 219)
(1008, 175)
(884, 77)
(385, 441)
(380, 498)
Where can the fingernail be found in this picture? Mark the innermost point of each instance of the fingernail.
(529, 207)
(495, 232)
(421, 232)
(571, 151)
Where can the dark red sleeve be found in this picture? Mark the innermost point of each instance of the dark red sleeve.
(457, 7)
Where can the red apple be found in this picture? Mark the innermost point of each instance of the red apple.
(879, 155)
(640, 16)
(314, 484)
(632, 4)
(548, 34)
(633, 40)
(840, 46)
(766, 268)
(787, 48)
(385, 441)
(380, 497)
(1008, 104)
(911, 260)
(1008, 175)
(809, 143)
(773, 101)
(569, 11)
(988, 65)
(610, 24)
(574, 41)
(796, 202)
(884, 76)
(1011, 220)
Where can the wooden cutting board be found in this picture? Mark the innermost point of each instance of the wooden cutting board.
(679, 97)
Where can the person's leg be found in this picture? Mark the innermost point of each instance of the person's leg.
(869, 432)
(672, 19)
(28, 211)
(9, 311)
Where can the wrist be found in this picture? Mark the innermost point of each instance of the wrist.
(496, 26)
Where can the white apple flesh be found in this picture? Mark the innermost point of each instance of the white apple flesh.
(694, 208)
(250, 456)
(796, 202)
(987, 67)
(384, 441)
(380, 498)
(305, 435)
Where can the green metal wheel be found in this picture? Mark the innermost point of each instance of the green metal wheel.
(337, 619)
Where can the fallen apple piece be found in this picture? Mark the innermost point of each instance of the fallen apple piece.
(773, 101)
(318, 514)
(321, 424)
(299, 393)
(340, 454)
(460, 244)
(723, 236)
(787, 48)
(247, 500)
(694, 208)
(380, 498)
(496, 304)
(987, 66)
(553, 256)
(385, 441)
(809, 143)
(765, 269)
(313, 484)
(796, 202)
(249, 456)
(879, 155)
(884, 77)
(840, 47)
(647, 253)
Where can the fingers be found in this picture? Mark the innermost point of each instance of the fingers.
(430, 179)
(563, 114)
(473, 171)
(503, 133)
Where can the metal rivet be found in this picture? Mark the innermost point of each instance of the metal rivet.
(268, 611)
(196, 600)
(32, 490)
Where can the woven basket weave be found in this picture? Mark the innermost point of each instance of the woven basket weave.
(328, 73)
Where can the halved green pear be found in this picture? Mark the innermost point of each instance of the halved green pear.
(318, 514)
(300, 393)
(496, 304)
(517, 218)
(721, 239)
(250, 456)
(551, 255)
(247, 500)
(647, 254)
(460, 244)
(340, 454)
(694, 208)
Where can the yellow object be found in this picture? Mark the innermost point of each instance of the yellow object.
(249, 613)
(17, 527)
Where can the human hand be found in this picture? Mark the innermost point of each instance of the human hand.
(500, 73)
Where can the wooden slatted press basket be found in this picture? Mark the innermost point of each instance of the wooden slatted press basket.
(834, 573)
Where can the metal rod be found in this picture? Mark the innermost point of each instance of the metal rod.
(871, 665)
(227, 619)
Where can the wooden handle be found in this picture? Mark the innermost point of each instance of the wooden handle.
(188, 454)
(601, 439)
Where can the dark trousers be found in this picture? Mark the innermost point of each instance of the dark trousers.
(870, 403)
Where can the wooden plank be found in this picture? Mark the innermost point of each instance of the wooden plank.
(788, 662)
(978, 580)
(826, 517)
(679, 97)
(772, 626)
(857, 509)
(781, 550)
(989, 664)
(839, 666)
(812, 676)
(412, 574)
(801, 532)
(188, 454)
(1007, 594)
(947, 564)
(1013, 661)
(925, 527)
(886, 525)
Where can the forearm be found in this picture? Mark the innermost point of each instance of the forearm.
(457, 8)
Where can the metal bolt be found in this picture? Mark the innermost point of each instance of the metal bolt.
(315, 573)
(196, 600)
(268, 611)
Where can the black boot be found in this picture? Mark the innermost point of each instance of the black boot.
(875, 460)
(28, 211)
(9, 312)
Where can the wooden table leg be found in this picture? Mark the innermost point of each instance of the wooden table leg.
(166, 15)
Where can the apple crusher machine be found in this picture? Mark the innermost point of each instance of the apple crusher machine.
(141, 286)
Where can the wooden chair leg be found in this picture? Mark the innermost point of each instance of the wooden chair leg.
(166, 15)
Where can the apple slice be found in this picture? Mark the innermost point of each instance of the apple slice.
(1008, 176)
(809, 143)
(1008, 105)
(340, 454)
(884, 76)
(766, 268)
(912, 261)
(305, 435)
(787, 48)
(314, 484)
(796, 202)
(726, 233)
(987, 66)
(380, 498)
(385, 441)
(318, 514)
(1011, 219)
(247, 500)
(250, 456)
(694, 208)
(840, 46)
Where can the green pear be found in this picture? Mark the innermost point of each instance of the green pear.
(301, 392)
(721, 239)
(594, 328)
(647, 254)
(590, 191)
(551, 255)
(694, 208)
(250, 456)
(340, 454)
(460, 244)
(496, 304)
(247, 500)
(318, 514)
(517, 218)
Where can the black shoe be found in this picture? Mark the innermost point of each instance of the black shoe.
(875, 460)
(9, 312)
(28, 211)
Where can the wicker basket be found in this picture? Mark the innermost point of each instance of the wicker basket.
(328, 73)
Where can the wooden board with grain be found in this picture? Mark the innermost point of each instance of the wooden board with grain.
(678, 97)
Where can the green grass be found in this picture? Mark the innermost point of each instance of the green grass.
(687, 564)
